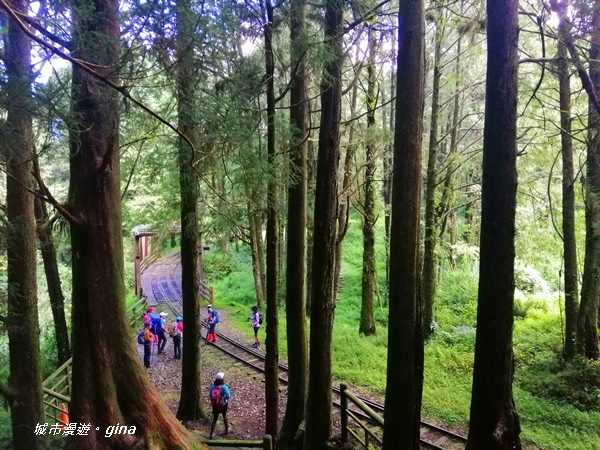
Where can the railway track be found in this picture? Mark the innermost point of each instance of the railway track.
(432, 436)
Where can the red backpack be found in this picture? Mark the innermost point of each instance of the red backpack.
(217, 400)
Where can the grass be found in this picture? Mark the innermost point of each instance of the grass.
(550, 418)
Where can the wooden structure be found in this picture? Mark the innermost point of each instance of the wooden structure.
(346, 414)
(142, 249)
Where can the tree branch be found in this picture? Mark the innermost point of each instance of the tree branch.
(123, 90)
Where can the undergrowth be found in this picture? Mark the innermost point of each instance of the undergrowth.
(558, 402)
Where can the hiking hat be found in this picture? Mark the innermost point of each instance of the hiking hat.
(178, 319)
(254, 308)
(220, 376)
(163, 314)
(150, 309)
(209, 307)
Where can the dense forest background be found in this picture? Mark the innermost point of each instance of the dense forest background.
(293, 137)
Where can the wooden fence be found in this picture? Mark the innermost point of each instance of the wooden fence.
(346, 414)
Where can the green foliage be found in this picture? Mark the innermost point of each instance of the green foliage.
(456, 298)
(236, 284)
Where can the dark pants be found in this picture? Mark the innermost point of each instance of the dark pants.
(216, 411)
(162, 341)
(147, 352)
(177, 346)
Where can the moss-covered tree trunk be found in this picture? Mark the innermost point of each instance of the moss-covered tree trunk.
(405, 339)
(348, 190)
(256, 249)
(25, 381)
(494, 421)
(587, 321)
(190, 401)
(318, 409)
(110, 384)
(568, 202)
(57, 299)
(295, 298)
(429, 260)
(272, 338)
(367, 318)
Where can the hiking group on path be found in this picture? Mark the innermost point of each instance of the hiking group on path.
(155, 331)
(154, 334)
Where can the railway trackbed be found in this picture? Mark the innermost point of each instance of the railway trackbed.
(432, 436)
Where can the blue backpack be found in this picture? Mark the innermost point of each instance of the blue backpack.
(215, 314)
(140, 337)
(156, 324)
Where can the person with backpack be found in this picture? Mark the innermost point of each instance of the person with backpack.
(213, 320)
(219, 400)
(175, 333)
(145, 338)
(162, 338)
(256, 321)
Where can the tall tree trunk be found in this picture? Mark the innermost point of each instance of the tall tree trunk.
(388, 161)
(57, 299)
(272, 339)
(347, 189)
(404, 389)
(494, 422)
(587, 322)
(25, 381)
(429, 272)
(256, 248)
(446, 212)
(568, 203)
(296, 242)
(318, 410)
(310, 220)
(367, 319)
(190, 400)
(110, 384)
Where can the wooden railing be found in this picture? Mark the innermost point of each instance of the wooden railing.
(266, 443)
(346, 414)
(57, 387)
(206, 292)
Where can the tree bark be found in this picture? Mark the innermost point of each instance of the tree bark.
(388, 162)
(190, 400)
(367, 318)
(446, 212)
(109, 385)
(494, 422)
(22, 324)
(587, 322)
(57, 299)
(318, 410)
(272, 338)
(296, 242)
(568, 203)
(348, 191)
(310, 220)
(429, 272)
(256, 248)
(404, 389)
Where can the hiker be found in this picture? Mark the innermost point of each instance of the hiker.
(219, 399)
(162, 338)
(175, 333)
(256, 321)
(150, 317)
(148, 338)
(213, 320)
(208, 311)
